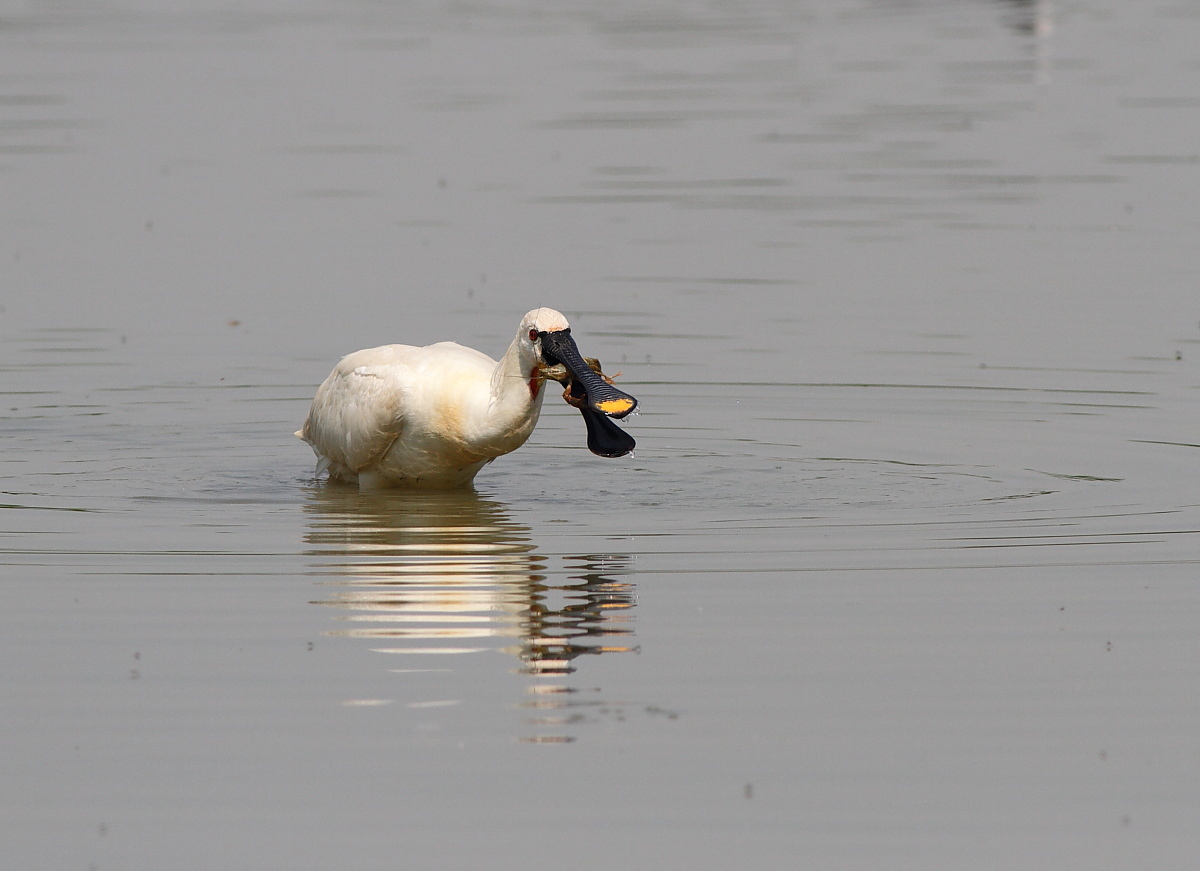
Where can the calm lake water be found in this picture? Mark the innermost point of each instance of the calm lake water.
(903, 573)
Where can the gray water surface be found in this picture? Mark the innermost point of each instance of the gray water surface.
(903, 573)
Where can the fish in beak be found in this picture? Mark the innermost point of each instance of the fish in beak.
(589, 391)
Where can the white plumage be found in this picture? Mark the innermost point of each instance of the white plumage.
(400, 415)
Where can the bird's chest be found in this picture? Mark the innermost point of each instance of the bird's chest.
(463, 430)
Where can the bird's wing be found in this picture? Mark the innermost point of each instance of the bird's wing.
(358, 411)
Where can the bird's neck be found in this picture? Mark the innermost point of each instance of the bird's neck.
(517, 391)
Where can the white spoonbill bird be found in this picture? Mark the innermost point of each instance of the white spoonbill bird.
(401, 416)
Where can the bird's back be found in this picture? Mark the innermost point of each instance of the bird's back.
(419, 396)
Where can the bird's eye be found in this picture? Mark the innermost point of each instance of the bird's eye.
(533, 335)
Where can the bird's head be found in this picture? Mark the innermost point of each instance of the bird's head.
(545, 335)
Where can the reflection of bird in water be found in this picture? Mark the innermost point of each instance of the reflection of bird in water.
(437, 573)
(590, 611)
(402, 416)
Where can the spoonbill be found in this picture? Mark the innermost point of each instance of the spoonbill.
(402, 416)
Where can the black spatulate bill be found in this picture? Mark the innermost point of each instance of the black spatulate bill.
(594, 391)
(604, 438)
(596, 398)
